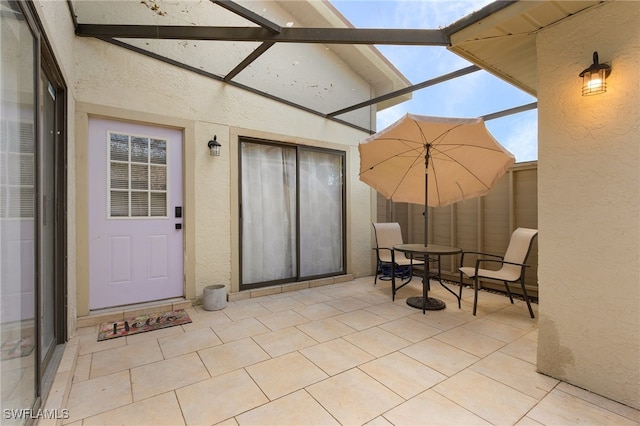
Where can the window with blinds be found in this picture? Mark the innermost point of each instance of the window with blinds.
(17, 172)
(137, 176)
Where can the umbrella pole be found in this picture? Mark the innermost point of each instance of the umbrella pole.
(426, 194)
(426, 207)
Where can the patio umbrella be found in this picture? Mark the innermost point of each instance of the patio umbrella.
(434, 161)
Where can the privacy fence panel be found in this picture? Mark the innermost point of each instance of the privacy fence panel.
(481, 224)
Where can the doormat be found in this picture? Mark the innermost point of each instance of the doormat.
(16, 348)
(142, 324)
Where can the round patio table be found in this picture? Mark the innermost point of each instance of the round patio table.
(434, 252)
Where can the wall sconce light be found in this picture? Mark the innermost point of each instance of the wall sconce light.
(594, 78)
(214, 147)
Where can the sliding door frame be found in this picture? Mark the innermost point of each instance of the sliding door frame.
(343, 193)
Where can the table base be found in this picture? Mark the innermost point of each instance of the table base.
(431, 305)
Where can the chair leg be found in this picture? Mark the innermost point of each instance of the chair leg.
(475, 294)
(460, 293)
(526, 297)
(506, 285)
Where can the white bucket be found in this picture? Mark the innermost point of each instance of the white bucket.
(214, 297)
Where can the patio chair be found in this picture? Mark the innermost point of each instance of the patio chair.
(387, 236)
(511, 266)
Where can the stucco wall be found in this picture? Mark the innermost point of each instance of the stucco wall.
(589, 204)
(118, 83)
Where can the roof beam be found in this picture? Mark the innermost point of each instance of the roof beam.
(249, 15)
(248, 60)
(410, 89)
(398, 37)
(510, 111)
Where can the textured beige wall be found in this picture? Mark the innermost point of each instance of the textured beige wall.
(589, 204)
(117, 83)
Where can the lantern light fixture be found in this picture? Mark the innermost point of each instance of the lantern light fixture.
(214, 147)
(594, 78)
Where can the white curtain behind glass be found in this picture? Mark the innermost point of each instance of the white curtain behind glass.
(320, 213)
(268, 213)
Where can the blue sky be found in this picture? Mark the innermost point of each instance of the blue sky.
(473, 95)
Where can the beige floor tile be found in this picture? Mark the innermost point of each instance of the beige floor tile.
(361, 319)
(124, 358)
(336, 356)
(99, 395)
(354, 398)
(441, 357)
(318, 311)
(467, 340)
(280, 342)
(83, 368)
(442, 320)
(562, 408)
(402, 374)
(288, 373)
(229, 422)
(516, 316)
(373, 296)
(219, 398)
(89, 343)
(241, 329)
(431, 408)
(390, 311)
(341, 290)
(205, 319)
(495, 329)
(237, 311)
(296, 409)
(375, 354)
(348, 304)
(231, 356)
(310, 297)
(379, 421)
(600, 401)
(188, 342)
(515, 373)
(281, 303)
(153, 335)
(162, 376)
(493, 401)
(160, 410)
(410, 329)
(282, 319)
(523, 348)
(377, 341)
(528, 421)
(326, 329)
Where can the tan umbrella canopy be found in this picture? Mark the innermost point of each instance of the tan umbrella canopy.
(434, 161)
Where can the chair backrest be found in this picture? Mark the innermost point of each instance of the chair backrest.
(387, 236)
(519, 248)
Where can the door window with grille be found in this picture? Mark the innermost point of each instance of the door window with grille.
(137, 176)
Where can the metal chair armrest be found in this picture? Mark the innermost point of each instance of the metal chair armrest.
(479, 253)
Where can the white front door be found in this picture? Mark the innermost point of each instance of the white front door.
(135, 213)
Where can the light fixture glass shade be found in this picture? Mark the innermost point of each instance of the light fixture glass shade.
(594, 78)
(214, 147)
(594, 82)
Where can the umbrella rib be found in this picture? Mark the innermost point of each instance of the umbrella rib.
(400, 154)
(464, 166)
(415, 161)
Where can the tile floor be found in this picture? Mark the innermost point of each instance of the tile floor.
(337, 354)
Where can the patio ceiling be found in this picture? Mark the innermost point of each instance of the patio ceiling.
(234, 44)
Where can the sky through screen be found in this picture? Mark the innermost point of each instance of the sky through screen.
(472, 95)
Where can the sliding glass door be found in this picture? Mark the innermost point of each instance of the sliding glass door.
(32, 213)
(292, 213)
